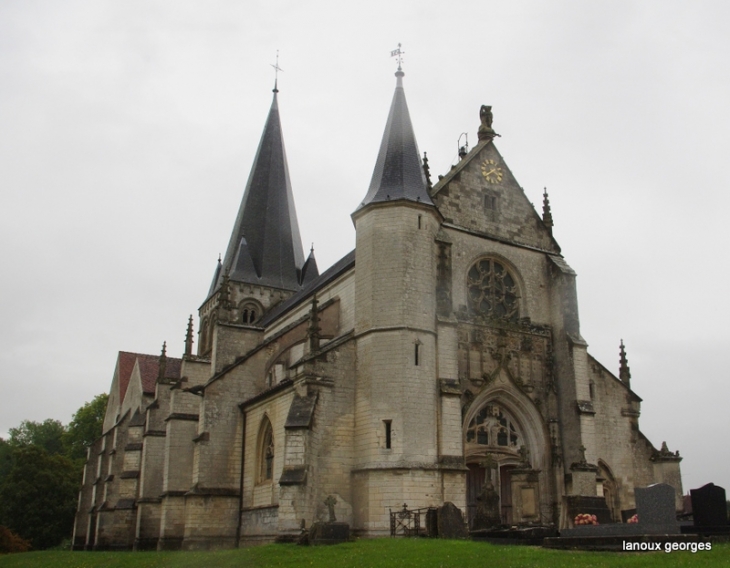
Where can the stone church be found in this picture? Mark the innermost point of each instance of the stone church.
(440, 356)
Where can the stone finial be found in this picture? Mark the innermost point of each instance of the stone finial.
(624, 373)
(314, 329)
(486, 132)
(427, 172)
(547, 216)
(162, 368)
(331, 501)
(189, 337)
(224, 297)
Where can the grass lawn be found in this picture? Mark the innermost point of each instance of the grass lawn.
(385, 553)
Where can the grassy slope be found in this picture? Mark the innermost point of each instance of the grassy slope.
(385, 553)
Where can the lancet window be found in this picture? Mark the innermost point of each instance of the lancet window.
(266, 452)
(493, 427)
(492, 291)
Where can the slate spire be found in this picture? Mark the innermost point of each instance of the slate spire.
(265, 247)
(398, 170)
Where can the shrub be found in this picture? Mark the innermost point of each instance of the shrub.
(11, 542)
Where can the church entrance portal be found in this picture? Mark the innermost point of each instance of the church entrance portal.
(474, 484)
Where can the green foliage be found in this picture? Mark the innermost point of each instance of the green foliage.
(40, 474)
(380, 553)
(85, 427)
(38, 496)
(11, 542)
(47, 435)
(6, 451)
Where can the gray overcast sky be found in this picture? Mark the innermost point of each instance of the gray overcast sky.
(127, 130)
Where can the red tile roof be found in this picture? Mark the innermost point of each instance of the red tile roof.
(125, 365)
(149, 366)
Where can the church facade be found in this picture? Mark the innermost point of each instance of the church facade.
(442, 354)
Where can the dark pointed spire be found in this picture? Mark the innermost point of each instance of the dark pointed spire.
(162, 368)
(547, 216)
(624, 373)
(265, 247)
(309, 270)
(189, 337)
(398, 171)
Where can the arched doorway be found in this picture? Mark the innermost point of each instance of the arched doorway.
(503, 430)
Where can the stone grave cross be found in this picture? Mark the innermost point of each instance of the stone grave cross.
(331, 501)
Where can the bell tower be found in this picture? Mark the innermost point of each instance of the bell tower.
(395, 318)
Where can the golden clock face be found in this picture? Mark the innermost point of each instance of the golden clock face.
(491, 171)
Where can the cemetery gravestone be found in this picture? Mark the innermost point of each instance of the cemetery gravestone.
(656, 509)
(709, 507)
(451, 522)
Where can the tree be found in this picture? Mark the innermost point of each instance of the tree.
(85, 427)
(5, 455)
(47, 435)
(38, 496)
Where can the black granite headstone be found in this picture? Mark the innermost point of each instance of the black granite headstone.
(451, 522)
(709, 506)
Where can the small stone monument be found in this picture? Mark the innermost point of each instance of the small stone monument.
(451, 522)
(330, 532)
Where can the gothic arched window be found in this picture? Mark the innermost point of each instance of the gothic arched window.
(493, 427)
(203, 347)
(266, 451)
(491, 290)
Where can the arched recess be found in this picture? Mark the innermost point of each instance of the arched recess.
(527, 420)
(516, 416)
(610, 489)
(265, 452)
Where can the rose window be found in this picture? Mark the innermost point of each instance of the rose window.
(492, 291)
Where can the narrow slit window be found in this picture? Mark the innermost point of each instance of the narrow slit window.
(419, 221)
(417, 353)
(490, 202)
(388, 434)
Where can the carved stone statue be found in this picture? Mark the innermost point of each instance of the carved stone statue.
(485, 115)
(486, 132)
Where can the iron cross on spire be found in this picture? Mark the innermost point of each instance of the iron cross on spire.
(399, 54)
(276, 72)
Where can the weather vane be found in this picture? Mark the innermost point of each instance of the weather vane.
(276, 72)
(399, 54)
